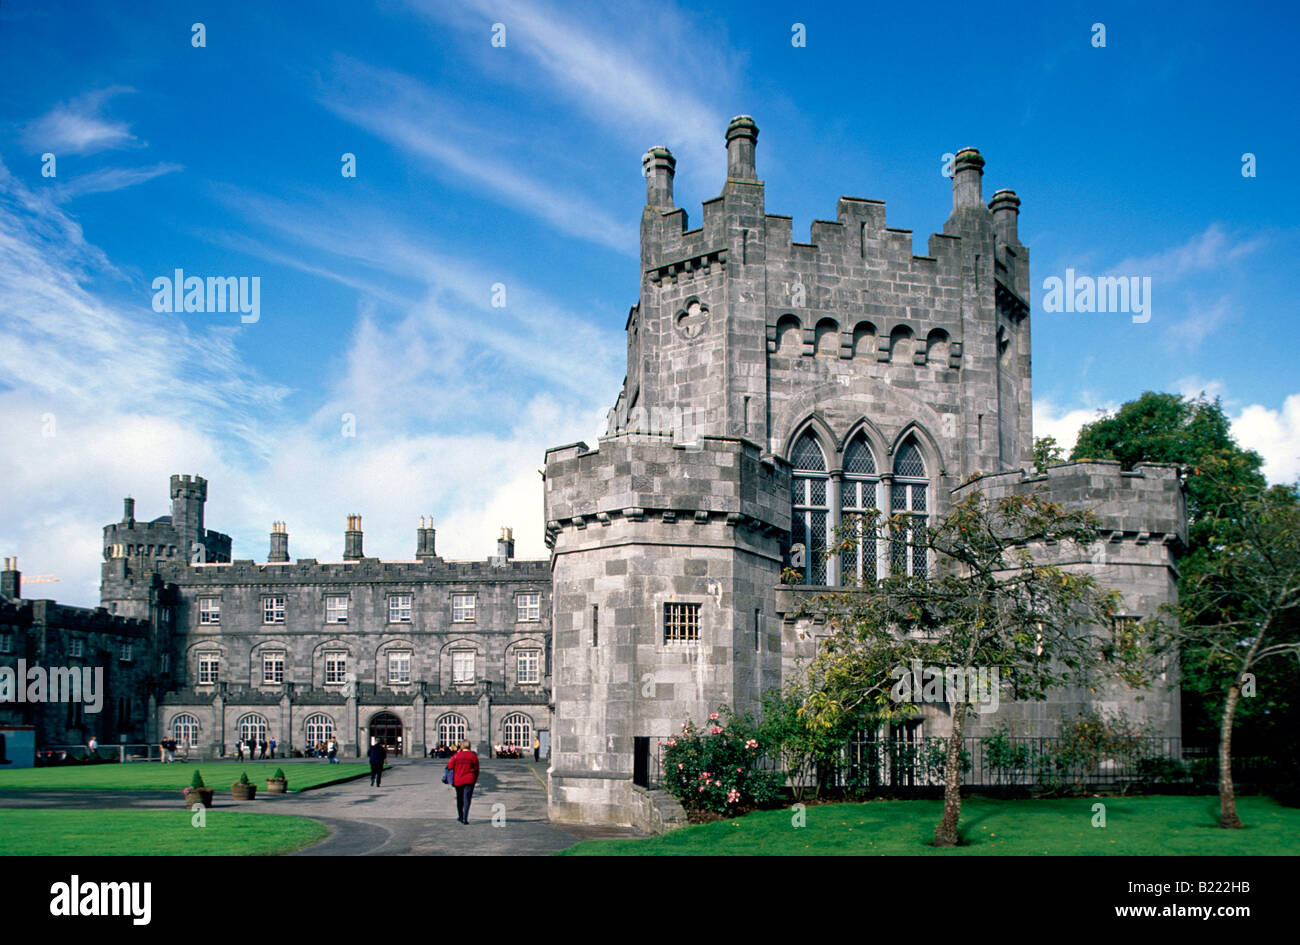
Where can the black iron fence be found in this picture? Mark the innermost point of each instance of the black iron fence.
(870, 766)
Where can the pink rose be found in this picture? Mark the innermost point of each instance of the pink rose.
(714, 717)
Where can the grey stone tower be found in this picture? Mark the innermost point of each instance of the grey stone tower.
(774, 387)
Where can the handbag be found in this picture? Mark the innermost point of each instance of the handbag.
(447, 776)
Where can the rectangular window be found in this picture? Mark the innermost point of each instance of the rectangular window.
(595, 624)
(399, 608)
(6, 642)
(336, 610)
(336, 667)
(124, 652)
(165, 662)
(76, 647)
(758, 630)
(529, 607)
(209, 610)
(462, 667)
(272, 610)
(272, 668)
(462, 608)
(681, 623)
(530, 667)
(399, 669)
(209, 669)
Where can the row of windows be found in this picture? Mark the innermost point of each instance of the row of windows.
(76, 647)
(862, 489)
(528, 665)
(516, 729)
(528, 608)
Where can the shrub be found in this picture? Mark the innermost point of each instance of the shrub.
(243, 778)
(1003, 755)
(197, 781)
(715, 769)
(279, 775)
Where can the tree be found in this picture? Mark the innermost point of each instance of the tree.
(1196, 433)
(989, 606)
(1047, 452)
(1242, 607)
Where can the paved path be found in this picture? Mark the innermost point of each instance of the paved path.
(414, 813)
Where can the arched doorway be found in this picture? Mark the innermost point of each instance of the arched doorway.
(388, 729)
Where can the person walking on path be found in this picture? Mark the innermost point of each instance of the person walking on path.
(464, 774)
(333, 750)
(378, 754)
(273, 749)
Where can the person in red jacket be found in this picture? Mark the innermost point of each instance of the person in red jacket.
(464, 773)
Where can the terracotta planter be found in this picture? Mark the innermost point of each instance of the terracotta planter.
(243, 792)
(199, 796)
(277, 785)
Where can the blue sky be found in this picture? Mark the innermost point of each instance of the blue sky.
(479, 164)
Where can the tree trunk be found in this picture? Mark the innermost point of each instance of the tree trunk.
(945, 835)
(1227, 797)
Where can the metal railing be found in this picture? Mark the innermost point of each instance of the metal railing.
(870, 766)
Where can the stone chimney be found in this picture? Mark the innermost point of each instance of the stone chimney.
(424, 540)
(506, 544)
(352, 540)
(128, 511)
(279, 543)
(967, 172)
(658, 166)
(1005, 207)
(742, 138)
(11, 579)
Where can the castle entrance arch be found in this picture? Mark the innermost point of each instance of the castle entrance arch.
(388, 729)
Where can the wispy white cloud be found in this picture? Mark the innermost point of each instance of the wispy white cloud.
(635, 67)
(412, 117)
(1210, 249)
(79, 127)
(110, 179)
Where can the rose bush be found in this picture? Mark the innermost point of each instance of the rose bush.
(716, 769)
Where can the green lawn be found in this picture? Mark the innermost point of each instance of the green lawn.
(155, 776)
(152, 833)
(1135, 826)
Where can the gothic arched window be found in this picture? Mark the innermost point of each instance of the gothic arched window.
(908, 497)
(859, 492)
(810, 506)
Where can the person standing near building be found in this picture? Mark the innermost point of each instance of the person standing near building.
(272, 749)
(537, 749)
(464, 775)
(94, 747)
(332, 749)
(378, 754)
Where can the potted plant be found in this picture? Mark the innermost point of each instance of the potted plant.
(243, 789)
(197, 792)
(277, 783)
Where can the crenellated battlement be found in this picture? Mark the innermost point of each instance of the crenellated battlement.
(1146, 505)
(647, 477)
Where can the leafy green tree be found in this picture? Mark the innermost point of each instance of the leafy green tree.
(990, 604)
(1196, 433)
(1241, 608)
(1047, 452)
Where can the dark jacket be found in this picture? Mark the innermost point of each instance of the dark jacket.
(464, 768)
(377, 754)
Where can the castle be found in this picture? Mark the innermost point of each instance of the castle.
(772, 387)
